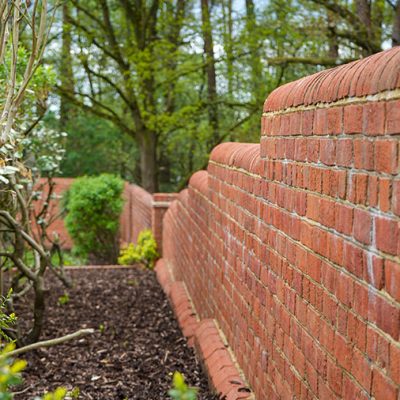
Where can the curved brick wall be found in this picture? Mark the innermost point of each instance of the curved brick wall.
(136, 214)
(293, 245)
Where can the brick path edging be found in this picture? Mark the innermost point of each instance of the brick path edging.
(204, 335)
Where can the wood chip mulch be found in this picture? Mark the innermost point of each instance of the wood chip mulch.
(136, 347)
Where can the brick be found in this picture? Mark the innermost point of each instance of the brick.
(327, 212)
(320, 122)
(307, 120)
(374, 273)
(382, 388)
(392, 279)
(362, 226)
(386, 156)
(364, 154)
(328, 151)
(384, 194)
(335, 119)
(361, 368)
(344, 152)
(394, 362)
(343, 218)
(352, 391)
(372, 191)
(387, 235)
(374, 118)
(388, 317)
(393, 117)
(313, 150)
(353, 119)
(345, 289)
(335, 377)
(396, 197)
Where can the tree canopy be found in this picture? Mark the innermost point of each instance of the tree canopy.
(160, 83)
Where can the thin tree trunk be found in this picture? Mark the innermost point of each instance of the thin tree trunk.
(333, 51)
(210, 71)
(66, 72)
(396, 26)
(378, 11)
(363, 10)
(38, 312)
(148, 161)
(228, 43)
(256, 67)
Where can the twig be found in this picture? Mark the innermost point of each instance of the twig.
(48, 343)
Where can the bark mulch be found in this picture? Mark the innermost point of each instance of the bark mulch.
(136, 347)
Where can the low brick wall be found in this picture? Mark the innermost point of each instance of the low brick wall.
(141, 211)
(293, 245)
(136, 214)
(57, 227)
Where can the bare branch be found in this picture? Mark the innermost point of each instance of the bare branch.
(48, 343)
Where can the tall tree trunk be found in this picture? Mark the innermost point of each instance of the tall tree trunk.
(378, 12)
(66, 72)
(228, 43)
(363, 10)
(396, 25)
(333, 51)
(210, 72)
(148, 160)
(252, 37)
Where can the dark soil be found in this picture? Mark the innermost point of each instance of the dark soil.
(133, 353)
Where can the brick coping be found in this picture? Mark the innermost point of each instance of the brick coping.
(208, 341)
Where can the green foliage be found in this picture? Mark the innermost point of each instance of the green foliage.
(64, 299)
(180, 390)
(10, 375)
(145, 251)
(10, 372)
(58, 394)
(74, 393)
(6, 320)
(102, 328)
(69, 258)
(94, 146)
(93, 207)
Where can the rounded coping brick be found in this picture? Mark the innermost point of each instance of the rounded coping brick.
(240, 155)
(199, 181)
(371, 75)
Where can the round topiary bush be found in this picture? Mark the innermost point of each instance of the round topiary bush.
(94, 206)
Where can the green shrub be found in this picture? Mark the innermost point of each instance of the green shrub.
(145, 251)
(93, 206)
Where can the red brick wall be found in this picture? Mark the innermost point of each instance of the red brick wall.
(136, 215)
(161, 202)
(293, 245)
(57, 227)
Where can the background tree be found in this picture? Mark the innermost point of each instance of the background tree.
(175, 78)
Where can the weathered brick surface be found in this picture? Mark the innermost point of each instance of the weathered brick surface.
(293, 245)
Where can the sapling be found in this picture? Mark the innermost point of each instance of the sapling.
(180, 390)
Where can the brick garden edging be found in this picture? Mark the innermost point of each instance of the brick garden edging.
(207, 340)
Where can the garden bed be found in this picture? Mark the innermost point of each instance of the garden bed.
(136, 347)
